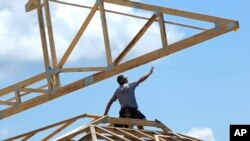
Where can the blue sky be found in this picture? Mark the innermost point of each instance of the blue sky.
(198, 91)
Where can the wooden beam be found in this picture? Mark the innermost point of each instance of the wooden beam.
(130, 15)
(28, 137)
(82, 128)
(73, 133)
(94, 116)
(162, 30)
(23, 83)
(26, 93)
(105, 33)
(30, 5)
(99, 120)
(93, 133)
(158, 136)
(7, 103)
(55, 77)
(31, 90)
(44, 43)
(45, 128)
(83, 69)
(128, 130)
(104, 137)
(170, 11)
(86, 137)
(135, 39)
(58, 130)
(18, 97)
(130, 135)
(144, 134)
(113, 134)
(78, 36)
(50, 33)
(139, 122)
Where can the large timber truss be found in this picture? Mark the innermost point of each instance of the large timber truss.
(102, 128)
(23, 95)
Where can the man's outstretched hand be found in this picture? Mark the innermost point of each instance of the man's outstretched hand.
(151, 70)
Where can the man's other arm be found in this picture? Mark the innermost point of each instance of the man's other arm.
(108, 106)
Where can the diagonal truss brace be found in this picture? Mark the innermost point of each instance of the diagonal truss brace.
(52, 88)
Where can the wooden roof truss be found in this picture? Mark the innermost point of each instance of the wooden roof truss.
(12, 98)
(102, 128)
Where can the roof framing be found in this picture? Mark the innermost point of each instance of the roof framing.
(102, 128)
(52, 87)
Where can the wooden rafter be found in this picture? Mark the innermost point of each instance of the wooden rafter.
(51, 87)
(100, 129)
(105, 33)
(129, 15)
(135, 39)
(55, 79)
(78, 36)
(30, 5)
(44, 43)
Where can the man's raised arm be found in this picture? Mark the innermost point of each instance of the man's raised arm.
(146, 76)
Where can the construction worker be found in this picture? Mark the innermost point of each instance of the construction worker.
(126, 96)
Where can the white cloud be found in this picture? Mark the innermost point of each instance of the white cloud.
(19, 36)
(21, 43)
(4, 132)
(205, 134)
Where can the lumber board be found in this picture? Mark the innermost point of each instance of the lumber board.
(46, 127)
(44, 42)
(130, 135)
(104, 137)
(55, 77)
(130, 15)
(18, 97)
(81, 129)
(58, 130)
(7, 103)
(93, 132)
(23, 83)
(162, 30)
(30, 5)
(135, 39)
(78, 35)
(165, 10)
(50, 33)
(31, 90)
(112, 133)
(83, 69)
(26, 93)
(105, 33)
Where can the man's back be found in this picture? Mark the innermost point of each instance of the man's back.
(126, 95)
